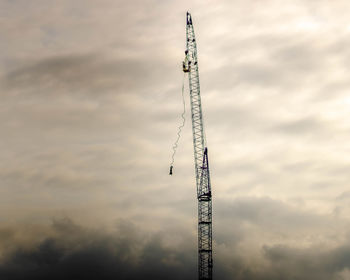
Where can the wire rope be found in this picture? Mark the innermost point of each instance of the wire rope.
(175, 145)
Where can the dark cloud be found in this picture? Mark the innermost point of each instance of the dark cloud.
(313, 263)
(72, 252)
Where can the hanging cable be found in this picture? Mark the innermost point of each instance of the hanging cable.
(179, 128)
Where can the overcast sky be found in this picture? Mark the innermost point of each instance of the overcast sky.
(90, 105)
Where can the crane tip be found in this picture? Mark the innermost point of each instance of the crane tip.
(188, 18)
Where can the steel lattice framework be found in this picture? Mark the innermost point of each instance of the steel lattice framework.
(204, 196)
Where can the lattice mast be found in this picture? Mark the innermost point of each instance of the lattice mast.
(204, 196)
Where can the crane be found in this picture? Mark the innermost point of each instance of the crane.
(201, 162)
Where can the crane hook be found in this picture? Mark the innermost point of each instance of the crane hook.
(171, 170)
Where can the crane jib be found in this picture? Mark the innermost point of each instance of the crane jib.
(204, 194)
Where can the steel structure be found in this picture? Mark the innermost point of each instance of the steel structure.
(204, 195)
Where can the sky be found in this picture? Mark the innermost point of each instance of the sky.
(90, 106)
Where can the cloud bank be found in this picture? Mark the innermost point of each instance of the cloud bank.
(90, 103)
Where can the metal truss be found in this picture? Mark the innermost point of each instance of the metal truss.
(204, 196)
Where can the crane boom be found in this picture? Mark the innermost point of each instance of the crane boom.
(204, 196)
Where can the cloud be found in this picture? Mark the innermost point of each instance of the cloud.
(316, 262)
(247, 251)
(264, 238)
(73, 252)
(91, 98)
(306, 126)
(77, 73)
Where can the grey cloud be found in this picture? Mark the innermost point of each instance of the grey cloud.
(267, 213)
(288, 62)
(306, 126)
(303, 254)
(89, 111)
(302, 58)
(343, 196)
(331, 91)
(316, 262)
(73, 252)
(76, 73)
